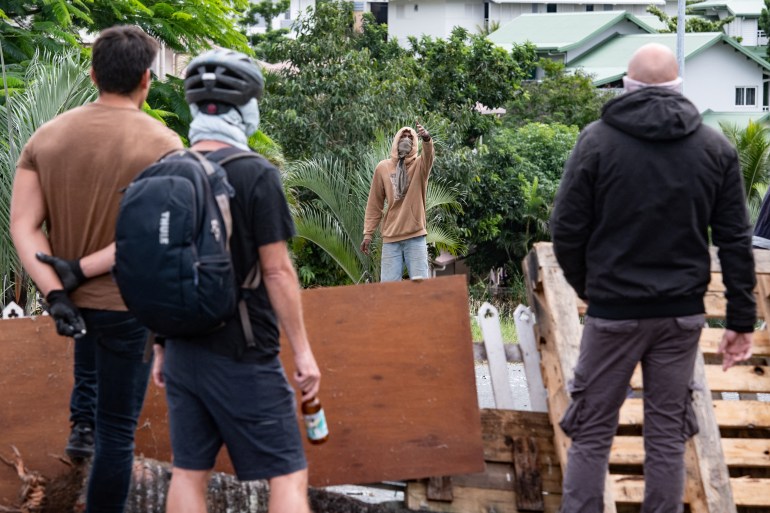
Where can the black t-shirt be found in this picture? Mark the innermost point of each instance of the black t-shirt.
(260, 216)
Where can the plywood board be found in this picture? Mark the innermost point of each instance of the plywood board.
(398, 387)
(35, 380)
(398, 384)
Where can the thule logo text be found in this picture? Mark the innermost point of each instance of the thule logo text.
(165, 221)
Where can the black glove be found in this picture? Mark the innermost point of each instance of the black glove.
(69, 322)
(69, 271)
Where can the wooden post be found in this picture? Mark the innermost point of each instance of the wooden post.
(489, 321)
(525, 322)
(554, 304)
(707, 445)
(528, 484)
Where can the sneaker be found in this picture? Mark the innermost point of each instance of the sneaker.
(80, 444)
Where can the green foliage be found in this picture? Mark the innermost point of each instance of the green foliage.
(334, 218)
(332, 99)
(764, 23)
(53, 25)
(264, 44)
(560, 97)
(509, 200)
(466, 70)
(692, 24)
(167, 96)
(56, 83)
(753, 145)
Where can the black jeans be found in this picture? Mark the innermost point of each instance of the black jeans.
(117, 341)
(609, 352)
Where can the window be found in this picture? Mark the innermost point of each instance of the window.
(589, 7)
(608, 7)
(745, 96)
(535, 8)
(550, 7)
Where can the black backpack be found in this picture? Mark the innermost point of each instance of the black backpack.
(172, 241)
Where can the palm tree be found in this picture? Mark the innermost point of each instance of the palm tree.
(334, 220)
(55, 83)
(753, 146)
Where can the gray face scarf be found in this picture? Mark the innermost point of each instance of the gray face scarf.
(402, 177)
(233, 127)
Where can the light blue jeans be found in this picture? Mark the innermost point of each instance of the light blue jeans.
(413, 252)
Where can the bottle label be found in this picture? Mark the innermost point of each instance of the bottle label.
(315, 423)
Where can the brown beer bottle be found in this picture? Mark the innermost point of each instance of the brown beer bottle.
(315, 421)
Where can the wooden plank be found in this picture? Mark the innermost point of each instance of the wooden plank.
(489, 322)
(500, 427)
(525, 322)
(739, 452)
(528, 485)
(741, 378)
(555, 307)
(748, 492)
(709, 458)
(729, 414)
(440, 489)
(472, 500)
(711, 337)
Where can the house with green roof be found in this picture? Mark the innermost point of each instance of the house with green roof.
(740, 119)
(745, 25)
(567, 36)
(720, 75)
(437, 18)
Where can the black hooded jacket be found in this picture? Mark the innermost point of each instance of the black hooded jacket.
(631, 219)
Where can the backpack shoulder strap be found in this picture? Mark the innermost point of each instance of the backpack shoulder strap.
(254, 276)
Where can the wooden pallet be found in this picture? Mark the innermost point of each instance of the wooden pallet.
(522, 471)
(728, 462)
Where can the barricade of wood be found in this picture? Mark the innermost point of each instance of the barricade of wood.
(522, 471)
(728, 462)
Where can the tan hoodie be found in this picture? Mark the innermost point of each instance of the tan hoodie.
(405, 218)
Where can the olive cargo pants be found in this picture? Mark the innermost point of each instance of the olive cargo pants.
(609, 352)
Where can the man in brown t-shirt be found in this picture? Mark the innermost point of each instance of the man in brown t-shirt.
(65, 202)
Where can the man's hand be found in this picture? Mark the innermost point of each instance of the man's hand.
(422, 132)
(307, 375)
(157, 365)
(69, 322)
(735, 347)
(69, 271)
(365, 246)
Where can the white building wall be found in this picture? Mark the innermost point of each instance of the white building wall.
(429, 18)
(468, 14)
(708, 90)
(746, 29)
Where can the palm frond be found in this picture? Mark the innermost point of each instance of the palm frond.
(56, 83)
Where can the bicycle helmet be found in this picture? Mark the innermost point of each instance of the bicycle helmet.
(223, 76)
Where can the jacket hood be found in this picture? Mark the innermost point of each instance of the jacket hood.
(394, 146)
(652, 113)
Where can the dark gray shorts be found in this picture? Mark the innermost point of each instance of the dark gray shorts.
(250, 407)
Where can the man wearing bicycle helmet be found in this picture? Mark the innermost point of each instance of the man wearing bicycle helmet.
(218, 390)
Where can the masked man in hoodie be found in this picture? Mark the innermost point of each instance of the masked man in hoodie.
(630, 229)
(402, 180)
